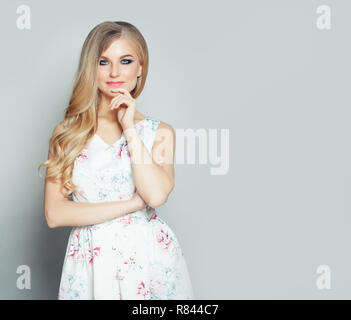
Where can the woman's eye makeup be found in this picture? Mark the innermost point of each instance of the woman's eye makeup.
(128, 61)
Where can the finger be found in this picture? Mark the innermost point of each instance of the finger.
(123, 90)
(114, 98)
(120, 102)
(124, 103)
(115, 101)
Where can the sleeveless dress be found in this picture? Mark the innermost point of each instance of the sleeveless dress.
(136, 256)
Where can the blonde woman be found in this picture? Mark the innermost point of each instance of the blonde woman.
(116, 164)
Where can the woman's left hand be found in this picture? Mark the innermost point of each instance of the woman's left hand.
(126, 105)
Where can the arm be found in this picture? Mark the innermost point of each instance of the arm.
(69, 213)
(153, 181)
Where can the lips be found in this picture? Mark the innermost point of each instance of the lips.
(115, 83)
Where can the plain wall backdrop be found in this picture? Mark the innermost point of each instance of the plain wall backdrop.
(261, 69)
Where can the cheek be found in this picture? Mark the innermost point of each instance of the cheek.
(101, 75)
(131, 72)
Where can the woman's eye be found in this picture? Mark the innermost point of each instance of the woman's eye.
(128, 61)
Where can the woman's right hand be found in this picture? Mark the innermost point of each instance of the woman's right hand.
(139, 202)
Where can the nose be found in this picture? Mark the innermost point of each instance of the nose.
(114, 71)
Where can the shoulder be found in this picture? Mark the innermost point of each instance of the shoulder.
(161, 127)
(163, 149)
(164, 132)
(166, 126)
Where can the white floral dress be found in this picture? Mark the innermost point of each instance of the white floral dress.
(136, 256)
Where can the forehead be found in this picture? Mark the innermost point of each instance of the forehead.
(119, 48)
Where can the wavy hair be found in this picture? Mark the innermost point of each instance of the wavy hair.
(80, 118)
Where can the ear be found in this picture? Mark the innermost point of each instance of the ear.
(140, 70)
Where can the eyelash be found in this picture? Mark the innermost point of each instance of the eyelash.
(130, 61)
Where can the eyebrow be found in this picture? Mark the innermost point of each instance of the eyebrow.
(125, 55)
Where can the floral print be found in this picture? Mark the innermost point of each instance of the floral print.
(135, 256)
(82, 156)
(142, 290)
(164, 239)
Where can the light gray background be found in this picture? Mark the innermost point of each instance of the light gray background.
(259, 68)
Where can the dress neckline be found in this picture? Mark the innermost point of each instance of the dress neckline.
(121, 137)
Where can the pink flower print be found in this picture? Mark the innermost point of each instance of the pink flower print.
(151, 212)
(143, 291)
(83, 155)
(73, 250)
(164, 239)
(124, 149)
(93, 254)
(153, 216)
(126, 219)
(74, 245)
(120, 152)
(130, 262)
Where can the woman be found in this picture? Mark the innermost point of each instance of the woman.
(116, 165)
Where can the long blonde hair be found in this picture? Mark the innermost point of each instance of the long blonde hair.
(80, 119)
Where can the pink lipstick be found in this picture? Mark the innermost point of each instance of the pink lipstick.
(115, 83)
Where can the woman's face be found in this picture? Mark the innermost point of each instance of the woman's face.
(118, 63)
